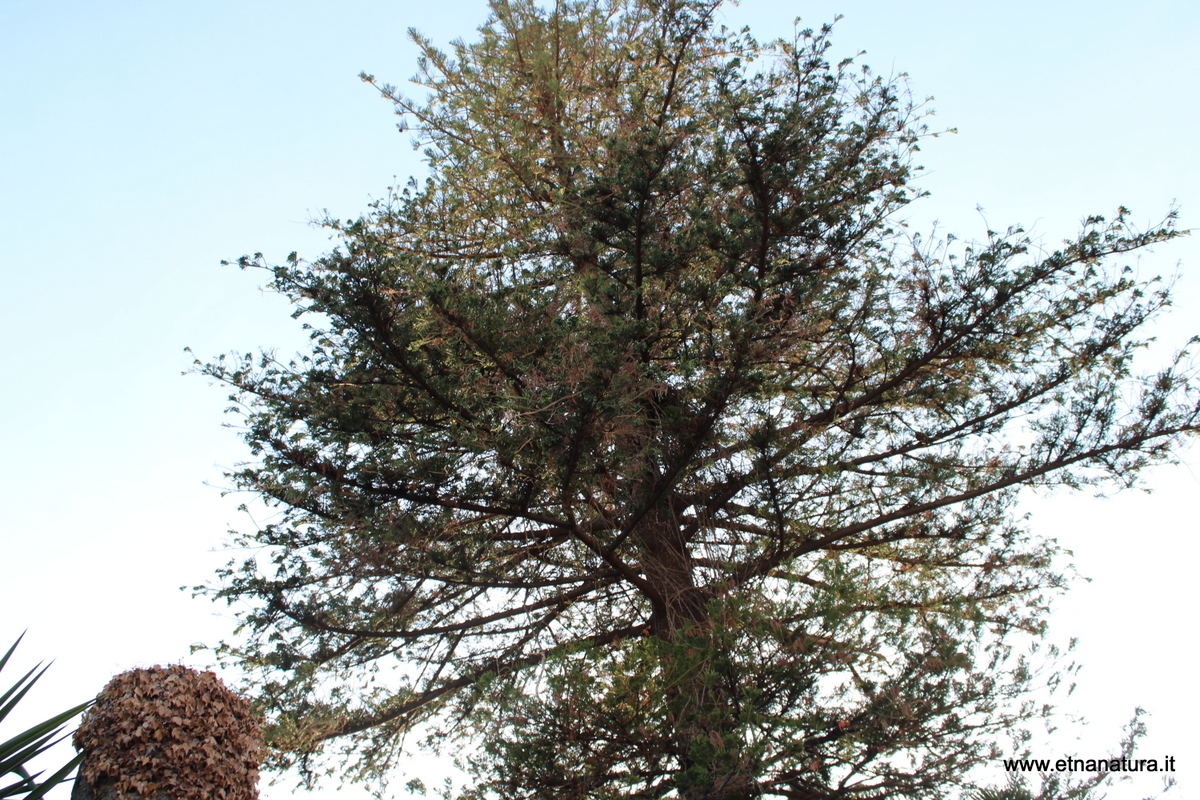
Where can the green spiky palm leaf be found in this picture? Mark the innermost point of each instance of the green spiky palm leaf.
(18, 751)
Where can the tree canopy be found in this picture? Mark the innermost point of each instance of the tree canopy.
(643, 444)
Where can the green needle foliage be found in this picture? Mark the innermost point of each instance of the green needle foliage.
(638, 448)
(17, 752)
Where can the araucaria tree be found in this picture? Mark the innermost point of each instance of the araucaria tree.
(638, 445)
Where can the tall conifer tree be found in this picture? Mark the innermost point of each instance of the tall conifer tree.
(640, 444)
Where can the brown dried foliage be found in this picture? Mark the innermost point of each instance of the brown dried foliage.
(172, 731)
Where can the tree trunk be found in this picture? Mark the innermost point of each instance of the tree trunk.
(705, 709)
(667, 565)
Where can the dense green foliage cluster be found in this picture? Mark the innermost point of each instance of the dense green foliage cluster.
(639, 443)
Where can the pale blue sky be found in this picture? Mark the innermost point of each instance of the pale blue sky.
(143, 142)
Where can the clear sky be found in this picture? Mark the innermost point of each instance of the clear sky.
(143, 142)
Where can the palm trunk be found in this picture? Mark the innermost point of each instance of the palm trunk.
(106, 789)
